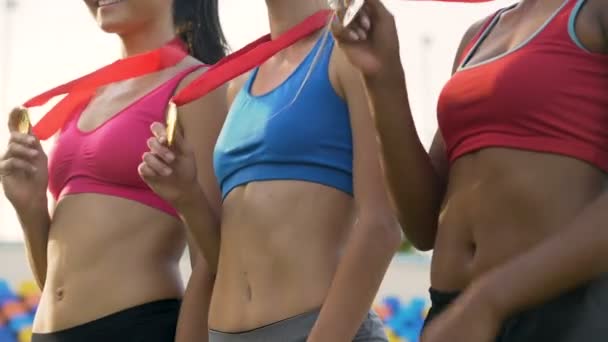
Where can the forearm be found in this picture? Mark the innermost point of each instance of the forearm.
(413, 184)
(36, 224)
(203, 225)
(193, 317)
(356, 282)
(575, 255)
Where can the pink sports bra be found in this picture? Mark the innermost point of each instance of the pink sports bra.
(105, 160)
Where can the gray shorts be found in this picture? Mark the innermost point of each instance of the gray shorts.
(296, 329)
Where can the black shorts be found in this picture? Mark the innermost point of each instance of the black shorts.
(152, 322)
(577, 316)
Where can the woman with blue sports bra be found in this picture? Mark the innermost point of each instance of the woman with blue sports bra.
(307, 232)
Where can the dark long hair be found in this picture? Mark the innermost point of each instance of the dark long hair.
(198, 24)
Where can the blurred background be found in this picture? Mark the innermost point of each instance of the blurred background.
(45, 43)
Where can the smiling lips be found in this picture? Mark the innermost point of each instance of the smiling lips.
(103, 3)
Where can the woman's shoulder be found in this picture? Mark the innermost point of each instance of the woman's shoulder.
(196, 68)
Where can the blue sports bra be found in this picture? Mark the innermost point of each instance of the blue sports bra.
(268, 137)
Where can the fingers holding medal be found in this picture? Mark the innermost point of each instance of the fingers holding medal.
(19, 120)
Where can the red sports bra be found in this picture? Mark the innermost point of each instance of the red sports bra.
(105, 160)
(547, 95)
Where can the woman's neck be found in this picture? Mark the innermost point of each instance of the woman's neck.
(284, 14)
(147, 38)
(526, 5)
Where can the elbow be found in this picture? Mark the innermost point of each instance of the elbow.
(385, 231)
(202, 268)
(420, 233)
(198, 258)
(422, 242)
(423, 236)
(423, 245)
(40, 282)
(211, 267)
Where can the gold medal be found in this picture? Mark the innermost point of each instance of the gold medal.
(23, 125)
(171, 122)
(351, 12)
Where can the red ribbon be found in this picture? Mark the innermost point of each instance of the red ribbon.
(83, 89)
(250, 57)
(254, 55)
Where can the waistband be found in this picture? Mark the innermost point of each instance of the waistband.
(115, 324)
(443, 297)
(295, 328)
(575, 315)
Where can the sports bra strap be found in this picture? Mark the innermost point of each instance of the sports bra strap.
(471, 44)
(185, 73)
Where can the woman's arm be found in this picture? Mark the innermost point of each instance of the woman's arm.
(36, 225)
(194, 312)
(577, 254)
(375, 236)
(415, 186)
(416, 179)
(201, 122)
(207, 198)
(24, 179)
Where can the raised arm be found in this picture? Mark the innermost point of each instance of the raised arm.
(201, 133)
(416, 179)
(183, 175)
(24, 178)
(375, 236)
(415, 187)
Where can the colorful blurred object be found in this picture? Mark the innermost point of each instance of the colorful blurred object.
(403, 321)
(17, 311)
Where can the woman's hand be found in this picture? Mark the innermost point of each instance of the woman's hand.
(24, 169)
(469, 318)
(170, 171)
(370, 41)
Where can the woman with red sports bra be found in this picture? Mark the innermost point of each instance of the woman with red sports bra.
(107, 256)
(512, 194)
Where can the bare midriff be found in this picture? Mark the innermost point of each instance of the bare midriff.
(503, 202)
(280, 247)
(107, 254)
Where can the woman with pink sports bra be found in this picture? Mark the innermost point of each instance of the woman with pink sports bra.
(513, 192)
(107, 256)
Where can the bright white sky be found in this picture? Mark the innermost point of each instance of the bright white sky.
(44, 43)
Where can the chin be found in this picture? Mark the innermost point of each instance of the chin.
(113, 16)
(116, 27)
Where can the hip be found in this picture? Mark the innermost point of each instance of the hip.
(152, 322)
(70, 299)
(578, 315)
(297, 329)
